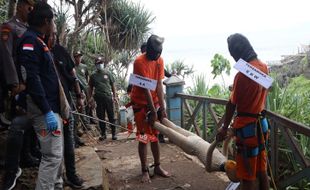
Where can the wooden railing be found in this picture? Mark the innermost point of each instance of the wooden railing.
(280, 127)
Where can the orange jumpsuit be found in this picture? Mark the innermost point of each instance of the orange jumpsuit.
(249, 97)
(153, 70)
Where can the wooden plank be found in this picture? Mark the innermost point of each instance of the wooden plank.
(297, 152)
(274, 140)
(213, 114)
(192, 116)
(278, 122)
(295, 178)
(189, 111)
(202, 98)
(293, 125)
(219, 124)
(204, 122)
(182, 112)
(276, 117)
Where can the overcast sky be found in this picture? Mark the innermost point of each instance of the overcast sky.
(195, 30)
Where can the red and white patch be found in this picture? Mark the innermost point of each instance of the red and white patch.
(145, 138)
(28, 47)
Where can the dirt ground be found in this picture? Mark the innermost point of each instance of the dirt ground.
(123, 169)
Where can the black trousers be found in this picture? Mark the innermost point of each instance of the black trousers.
(15, 141)
(105, 104)
(69, 156)
(1, 99)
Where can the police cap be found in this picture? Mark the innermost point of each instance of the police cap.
(99, 60)
(77, 53)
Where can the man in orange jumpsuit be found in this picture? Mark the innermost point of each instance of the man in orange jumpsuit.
(147, 103)
(248, 98)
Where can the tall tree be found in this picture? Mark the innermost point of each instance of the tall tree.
(3, 10)
(179, 68)
(11, 8)
(125, 24)
(113, 29)
(220, 65)
(84, 14)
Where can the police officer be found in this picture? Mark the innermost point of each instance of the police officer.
(81, 70)
(10, 31)
(66, 71)
(11, 80)
(43, 99)
(103, 83)
(83, 77)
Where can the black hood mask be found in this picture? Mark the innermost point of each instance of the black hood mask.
(154, 47)
(240, 47)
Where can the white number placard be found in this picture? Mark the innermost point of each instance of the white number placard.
(142, 82)
(253, 73)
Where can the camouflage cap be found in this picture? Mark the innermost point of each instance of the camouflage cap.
(77, 53)
(99, 60)
(30, 2)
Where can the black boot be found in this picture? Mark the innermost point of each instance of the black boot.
(13, 150)
(74, 181)
(113, 132)
(103, 132)
(9, 180)
(69, 157)
(103, 137)
(78, 142)
(15, 142)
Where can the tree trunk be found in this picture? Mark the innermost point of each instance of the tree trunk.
(12, 8)
(192, 144)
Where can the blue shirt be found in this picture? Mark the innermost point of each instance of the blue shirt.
(41, 77)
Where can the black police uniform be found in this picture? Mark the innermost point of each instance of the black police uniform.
(42, 81)
(65, 66)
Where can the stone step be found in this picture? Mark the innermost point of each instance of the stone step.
(89, 167)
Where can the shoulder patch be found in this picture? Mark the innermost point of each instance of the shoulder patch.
(45, 48)
(28, 47)
(5, 31)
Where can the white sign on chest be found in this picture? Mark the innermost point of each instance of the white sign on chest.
(253, 73)
(142, 82)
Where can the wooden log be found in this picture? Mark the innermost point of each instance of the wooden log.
(192, 144)
(178, 129)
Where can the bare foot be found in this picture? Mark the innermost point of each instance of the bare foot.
(161, 172)
(145, 177)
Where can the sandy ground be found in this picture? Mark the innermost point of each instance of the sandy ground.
(122, 167)
(122, 164)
